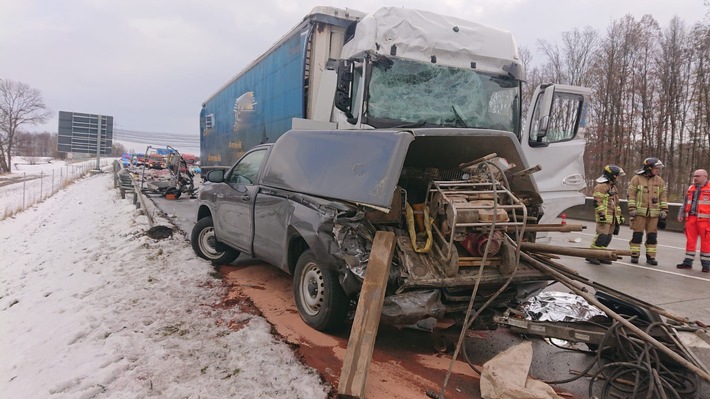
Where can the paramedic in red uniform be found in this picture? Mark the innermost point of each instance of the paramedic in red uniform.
(696, 209)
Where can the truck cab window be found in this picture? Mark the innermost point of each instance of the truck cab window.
(564, 118)
(246, 170)
(420, 92)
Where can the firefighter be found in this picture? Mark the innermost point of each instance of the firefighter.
(696, 211)
(607, 209)
(648, 208)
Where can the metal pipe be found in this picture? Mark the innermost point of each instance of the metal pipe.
(606, 254)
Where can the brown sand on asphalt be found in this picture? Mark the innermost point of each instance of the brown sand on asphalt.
(405, 363)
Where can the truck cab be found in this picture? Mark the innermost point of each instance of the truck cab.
(461, 75)
(343, 69)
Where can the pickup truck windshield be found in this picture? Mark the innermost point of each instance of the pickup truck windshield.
(417, 92)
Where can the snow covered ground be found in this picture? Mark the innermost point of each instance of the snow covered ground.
(90, 307)
(31, 182)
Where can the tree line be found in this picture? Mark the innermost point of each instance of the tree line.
(651, 94)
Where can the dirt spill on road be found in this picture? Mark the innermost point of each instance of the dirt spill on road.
(404, 365)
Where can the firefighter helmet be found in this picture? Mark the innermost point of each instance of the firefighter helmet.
(610, 173)
(650, 163)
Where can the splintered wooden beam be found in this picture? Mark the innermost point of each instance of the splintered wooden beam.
(361, 344)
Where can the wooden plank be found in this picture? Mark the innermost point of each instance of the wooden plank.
(353, 376)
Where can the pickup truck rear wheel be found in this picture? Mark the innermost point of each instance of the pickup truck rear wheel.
(320, 299)
(206, 246)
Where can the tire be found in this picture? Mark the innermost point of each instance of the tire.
(205, 244)
(320, 299)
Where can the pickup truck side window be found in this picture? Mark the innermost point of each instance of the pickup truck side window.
(247, 169)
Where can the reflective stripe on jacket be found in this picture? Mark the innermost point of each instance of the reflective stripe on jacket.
(606, 202)
(703, 201)
(648, 195)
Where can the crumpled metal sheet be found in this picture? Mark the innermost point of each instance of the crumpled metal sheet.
(410, 307)
(559, 306)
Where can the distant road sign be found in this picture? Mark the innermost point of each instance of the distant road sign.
(79, 132)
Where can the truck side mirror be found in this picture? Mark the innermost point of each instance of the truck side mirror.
(543, 109)
(343, 90)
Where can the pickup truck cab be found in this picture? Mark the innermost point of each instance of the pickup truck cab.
(458, 201)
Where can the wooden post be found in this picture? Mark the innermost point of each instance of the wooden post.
(353, 376)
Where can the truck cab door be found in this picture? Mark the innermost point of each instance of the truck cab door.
(234, 209)
(554, 139)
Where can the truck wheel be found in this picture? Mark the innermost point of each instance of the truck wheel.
(206, 246)
(320, 299)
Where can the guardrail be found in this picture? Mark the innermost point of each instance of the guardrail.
(586, 212)
(123, 180)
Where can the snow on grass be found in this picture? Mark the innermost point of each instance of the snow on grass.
(90, 307)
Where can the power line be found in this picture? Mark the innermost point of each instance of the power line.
(188, 143)
(151, 137)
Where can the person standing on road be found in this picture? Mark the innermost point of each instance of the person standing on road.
(648, 204)
(608, 212)
(696, 210)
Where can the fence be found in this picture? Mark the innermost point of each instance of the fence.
(27, 190)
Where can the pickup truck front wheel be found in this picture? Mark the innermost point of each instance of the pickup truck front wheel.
(320, 299)
(206, 246)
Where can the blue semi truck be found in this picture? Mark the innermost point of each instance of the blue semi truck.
(398, 68)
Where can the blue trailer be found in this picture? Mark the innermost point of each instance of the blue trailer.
(257, 106)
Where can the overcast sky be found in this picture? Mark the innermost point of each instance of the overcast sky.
(151, 63)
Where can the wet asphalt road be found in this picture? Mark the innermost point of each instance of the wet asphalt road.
(685, 293)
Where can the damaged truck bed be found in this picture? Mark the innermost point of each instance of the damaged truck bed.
(458, 201)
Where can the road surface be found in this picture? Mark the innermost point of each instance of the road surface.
(405, 363)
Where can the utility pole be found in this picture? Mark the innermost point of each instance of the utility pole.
(98, 146)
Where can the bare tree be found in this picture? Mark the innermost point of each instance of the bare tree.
(20, 105)
(651, 93)
(117, 149)
(570, 63)
(531, 75)
(34, 144)
(698, 145)
(675, 63)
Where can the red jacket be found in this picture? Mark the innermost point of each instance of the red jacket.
(703, 201)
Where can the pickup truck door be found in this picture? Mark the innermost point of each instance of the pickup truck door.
(554, 139)
(234, 217)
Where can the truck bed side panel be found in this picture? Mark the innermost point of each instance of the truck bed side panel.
(277, 218)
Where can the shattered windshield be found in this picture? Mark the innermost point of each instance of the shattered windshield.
(425, 93)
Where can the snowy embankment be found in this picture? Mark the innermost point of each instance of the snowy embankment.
(30, 183)
(90, 307)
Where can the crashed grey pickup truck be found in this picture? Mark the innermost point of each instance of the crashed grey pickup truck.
(458, 202)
